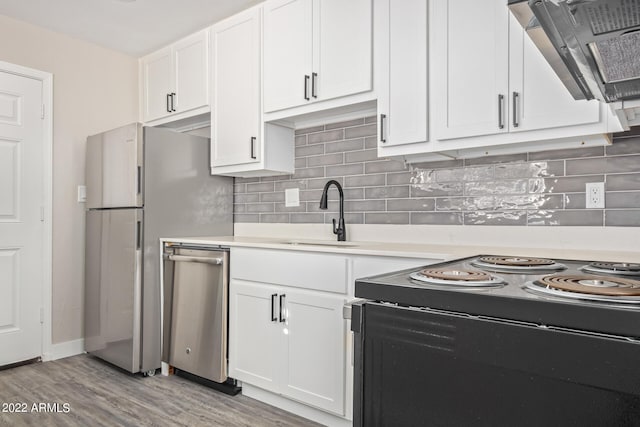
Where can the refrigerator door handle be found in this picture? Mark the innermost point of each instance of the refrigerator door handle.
(138, 234)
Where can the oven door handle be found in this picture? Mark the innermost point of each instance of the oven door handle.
(352, 310)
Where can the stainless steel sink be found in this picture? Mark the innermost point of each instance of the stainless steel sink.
(325, 243)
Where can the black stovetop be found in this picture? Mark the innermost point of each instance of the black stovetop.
(511, 301)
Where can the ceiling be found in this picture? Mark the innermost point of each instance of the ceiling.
(134, 27)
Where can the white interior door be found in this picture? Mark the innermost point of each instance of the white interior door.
(21, 221)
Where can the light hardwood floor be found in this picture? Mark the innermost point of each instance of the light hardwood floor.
(98, 394)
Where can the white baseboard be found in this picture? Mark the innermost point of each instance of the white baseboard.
(64, 349)
(299, 409)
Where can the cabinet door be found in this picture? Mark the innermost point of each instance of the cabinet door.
(287, 53)
(235, 137)
(255, 339)
(315, 350)
(157, 75)
(342, 48)
(538, 99)
(470, 41)
(191, 72)
(401, 59)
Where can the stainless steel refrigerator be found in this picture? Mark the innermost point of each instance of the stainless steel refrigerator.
(142, 183)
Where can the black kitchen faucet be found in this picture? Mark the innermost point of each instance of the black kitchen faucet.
(340, 230)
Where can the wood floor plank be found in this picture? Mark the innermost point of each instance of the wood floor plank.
(99, 394)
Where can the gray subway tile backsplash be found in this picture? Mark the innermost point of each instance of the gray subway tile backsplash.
(536, 189)
(584, 217)
(623, 199)
(623, 146)
(622, 218)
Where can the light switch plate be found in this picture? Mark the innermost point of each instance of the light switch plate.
(82, 193)
(292, 197)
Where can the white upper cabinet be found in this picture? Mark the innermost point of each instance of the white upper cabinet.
(342, 50)
(157, 83)
(287, 53)
(471, 55)
(315, 50)
(235, 113)
(241, 143)
(401, 72)
(176, 79)
(191, 65)
(491, 79)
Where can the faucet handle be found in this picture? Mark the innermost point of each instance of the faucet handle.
(340, 230)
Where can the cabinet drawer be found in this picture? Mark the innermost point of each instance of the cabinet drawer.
(308, 270)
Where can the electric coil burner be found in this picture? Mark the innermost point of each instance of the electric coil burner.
(620, 268)
(517, 264)
(589, 287)
(456, 277)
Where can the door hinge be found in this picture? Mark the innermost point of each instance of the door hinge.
(42, 111)
(42, 213)
(41, 315)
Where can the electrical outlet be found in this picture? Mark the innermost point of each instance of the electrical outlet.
(595, 195)
(292, 197)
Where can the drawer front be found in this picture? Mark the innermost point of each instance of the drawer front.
(307, 270)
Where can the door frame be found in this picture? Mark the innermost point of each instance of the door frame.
(47, 202)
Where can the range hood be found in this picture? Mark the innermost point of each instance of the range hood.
(593, 46)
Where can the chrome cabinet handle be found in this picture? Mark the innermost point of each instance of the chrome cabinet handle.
(274, 318)
(314, 77)
(516, 101)
(173, 100)
(306, 87)
(139, 179)
(253, 147)
(383, 117)
(138, 234)
(500, 109)
(282, 297)
(168, 101)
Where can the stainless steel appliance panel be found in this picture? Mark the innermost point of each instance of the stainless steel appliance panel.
(113, 281)
(198, 342)
(181, 200)
(114, 168)
(592, 45)
(167, 174)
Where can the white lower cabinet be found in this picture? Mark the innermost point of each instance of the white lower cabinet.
(255, 339)
(289, 341)
(288, 335)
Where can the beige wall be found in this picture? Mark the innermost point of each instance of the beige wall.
(94, 89)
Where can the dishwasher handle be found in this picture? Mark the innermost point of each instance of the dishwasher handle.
(184, 258)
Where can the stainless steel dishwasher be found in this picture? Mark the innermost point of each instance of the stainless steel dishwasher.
(195, 291)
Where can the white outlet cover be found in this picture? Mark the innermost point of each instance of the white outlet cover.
(594, 195)
(292, 197)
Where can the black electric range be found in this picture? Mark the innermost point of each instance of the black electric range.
(499, 341)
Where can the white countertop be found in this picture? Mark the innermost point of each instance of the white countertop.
(407, 250)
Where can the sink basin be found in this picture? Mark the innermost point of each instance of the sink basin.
(326, 243)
